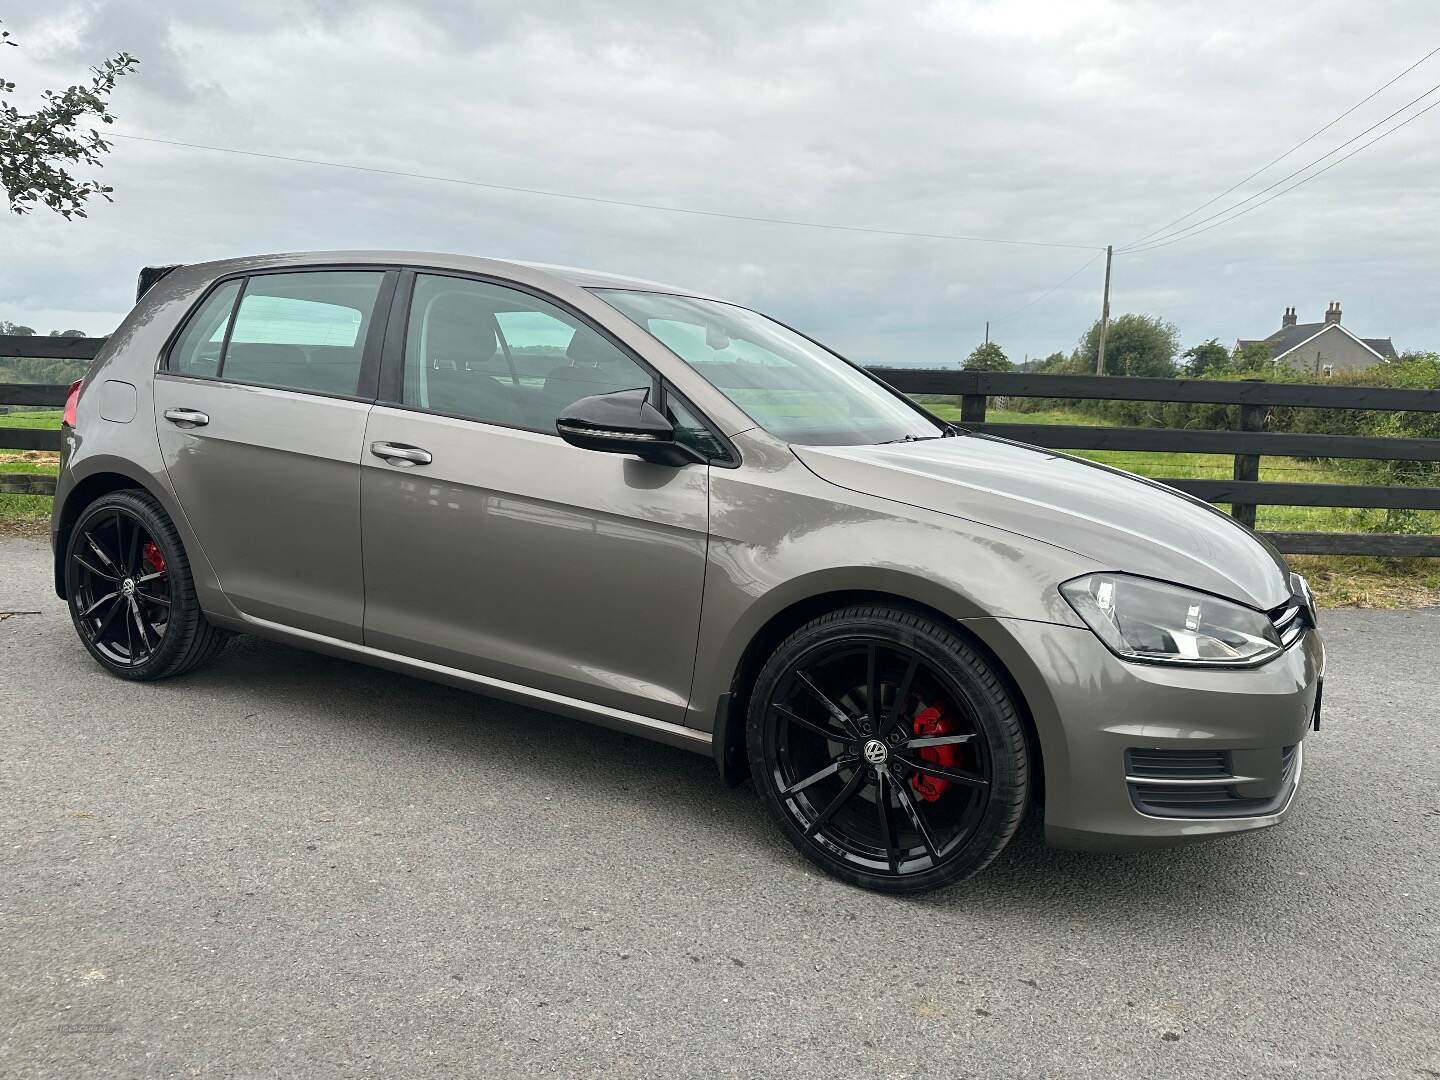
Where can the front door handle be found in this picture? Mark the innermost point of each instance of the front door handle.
(187, 417)
(404, 456)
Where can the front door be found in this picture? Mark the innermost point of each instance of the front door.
(261, 423)
(492, 546)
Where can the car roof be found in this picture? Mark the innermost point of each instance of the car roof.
(571, 275)
(600, 279)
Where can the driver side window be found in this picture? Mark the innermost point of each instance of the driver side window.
(501, 356)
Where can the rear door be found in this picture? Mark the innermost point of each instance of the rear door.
(261, 407)
(497, 548)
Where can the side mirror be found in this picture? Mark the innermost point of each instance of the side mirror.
(623, 423)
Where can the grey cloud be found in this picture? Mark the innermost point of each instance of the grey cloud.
(107, 27)
(1088, 121)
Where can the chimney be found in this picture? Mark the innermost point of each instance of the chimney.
(1289, 318)
(1332, 313)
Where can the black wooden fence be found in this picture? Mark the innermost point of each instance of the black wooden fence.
(1246, 444)
(40, 348)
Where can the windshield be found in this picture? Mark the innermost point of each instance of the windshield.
(787, 384)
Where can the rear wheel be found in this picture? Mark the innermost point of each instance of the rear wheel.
(887, 750)
(131, 595)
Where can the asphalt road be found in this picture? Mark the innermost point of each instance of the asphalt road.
(292, 865)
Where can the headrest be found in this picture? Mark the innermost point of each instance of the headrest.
(459, 333)
(590, 349)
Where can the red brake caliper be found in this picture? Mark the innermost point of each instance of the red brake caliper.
(152, 557)
(929, 723)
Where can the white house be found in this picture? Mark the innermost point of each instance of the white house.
(1323, 347)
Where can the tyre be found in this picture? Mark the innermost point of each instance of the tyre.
(131, 595)
(887, 750)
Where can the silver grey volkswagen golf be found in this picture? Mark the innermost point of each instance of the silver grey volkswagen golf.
(675, 517)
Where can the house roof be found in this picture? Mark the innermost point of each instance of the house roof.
(1289, 338)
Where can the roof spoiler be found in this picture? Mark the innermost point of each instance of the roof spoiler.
(149, 275)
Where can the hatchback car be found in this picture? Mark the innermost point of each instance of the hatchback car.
(676, 517)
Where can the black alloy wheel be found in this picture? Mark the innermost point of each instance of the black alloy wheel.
(122, 595)
(130, 592)
(888, 750)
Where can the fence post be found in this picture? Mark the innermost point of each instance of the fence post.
(972, 408)
(1247, 466)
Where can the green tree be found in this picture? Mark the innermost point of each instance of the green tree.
(1057, 363)
(1141, 345)
(37, 147)
(1207, 358)
(988, 357)
(10, 329)
(1250, 359)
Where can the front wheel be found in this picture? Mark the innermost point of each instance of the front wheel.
(888, 750)
(131, 595)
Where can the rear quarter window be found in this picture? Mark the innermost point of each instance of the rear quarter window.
(197, 350)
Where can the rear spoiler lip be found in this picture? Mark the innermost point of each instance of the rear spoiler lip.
(149, 275)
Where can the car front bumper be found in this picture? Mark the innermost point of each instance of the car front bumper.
(1138, 755)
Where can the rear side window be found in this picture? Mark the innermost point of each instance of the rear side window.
(197, 351)
(302, 331)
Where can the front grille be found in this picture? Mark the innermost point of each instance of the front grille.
(1291, 621)
(1193, 784)
(1297, 614)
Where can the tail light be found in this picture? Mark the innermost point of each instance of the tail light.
(72, 402)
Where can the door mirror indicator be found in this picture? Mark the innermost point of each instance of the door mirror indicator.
(623, 423)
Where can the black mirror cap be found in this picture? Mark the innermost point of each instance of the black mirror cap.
(623, 423)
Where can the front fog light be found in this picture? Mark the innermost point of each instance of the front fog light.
(1156, 622)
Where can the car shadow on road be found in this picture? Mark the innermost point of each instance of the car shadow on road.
(419, 717)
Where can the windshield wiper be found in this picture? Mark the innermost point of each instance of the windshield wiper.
(911, 438)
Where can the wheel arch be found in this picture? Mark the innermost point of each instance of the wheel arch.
(81, 494)
(728, 736)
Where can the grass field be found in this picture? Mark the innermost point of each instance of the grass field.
(39, 418)
(1338, 580)
(27, 512)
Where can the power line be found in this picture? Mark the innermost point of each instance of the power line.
(1187, 229)
(1292, 187)
(1053, 289)
(1192, 230)
(605, 201)
(1287, 153)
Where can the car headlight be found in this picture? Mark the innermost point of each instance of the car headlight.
(1159, 623)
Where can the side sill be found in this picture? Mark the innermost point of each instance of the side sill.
(630, 723)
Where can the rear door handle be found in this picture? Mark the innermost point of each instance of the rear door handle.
(404, 456)
(187, 417)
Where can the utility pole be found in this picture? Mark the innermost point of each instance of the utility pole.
(987, 331)
(1104, 312)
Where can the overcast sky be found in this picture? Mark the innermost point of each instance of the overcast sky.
(1079, 122)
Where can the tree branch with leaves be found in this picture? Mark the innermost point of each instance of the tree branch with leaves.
(37, 148)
